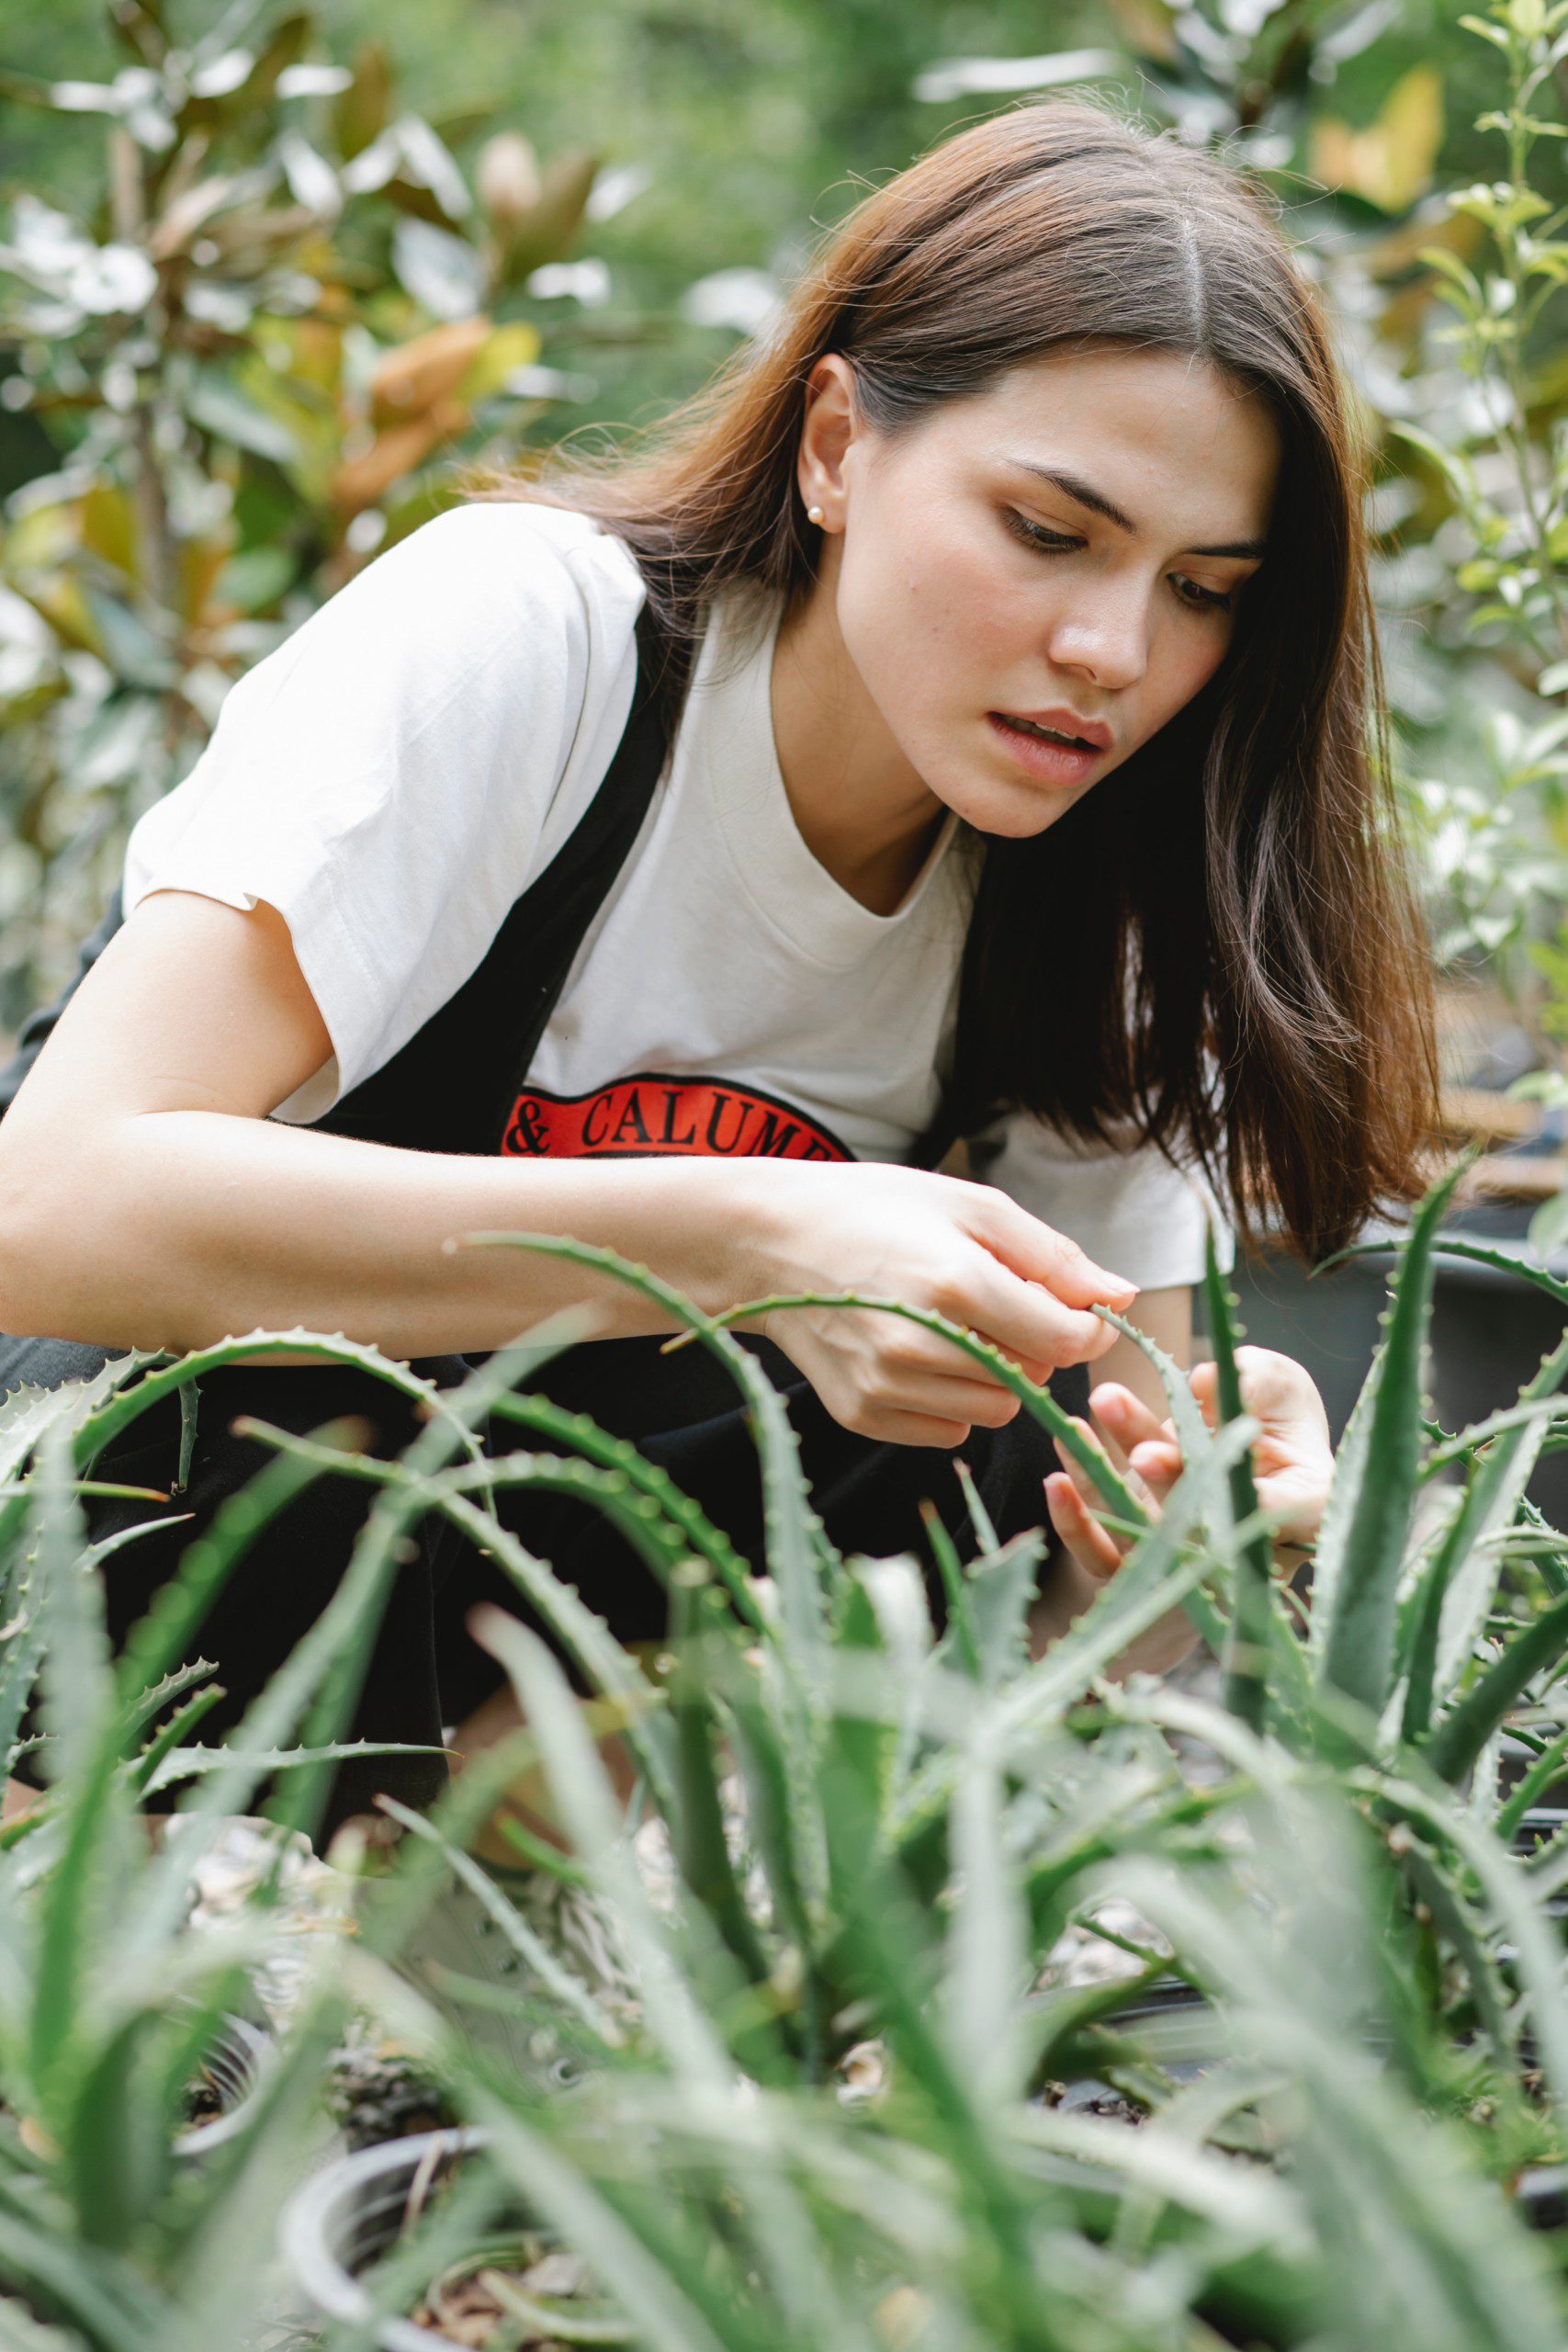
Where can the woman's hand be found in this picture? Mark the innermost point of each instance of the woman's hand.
(1292, 1458)
(958, 1249)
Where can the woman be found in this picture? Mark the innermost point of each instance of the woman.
(1005, 616)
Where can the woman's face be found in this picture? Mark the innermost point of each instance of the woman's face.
(1069, 547)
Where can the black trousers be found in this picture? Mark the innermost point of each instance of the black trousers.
(426, 1671)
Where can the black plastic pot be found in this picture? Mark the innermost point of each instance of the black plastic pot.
(1329, 1324)
(1490, 1328)
(1178, 2026)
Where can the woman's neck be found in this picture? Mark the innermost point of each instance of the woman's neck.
(858, 805)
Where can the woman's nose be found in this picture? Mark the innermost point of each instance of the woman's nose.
(1104, 635)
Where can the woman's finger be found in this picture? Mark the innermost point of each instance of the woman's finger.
(1124, 1415)
(1205, 1382)
(1088, 1492)
(1081, 1537)
(1157, 1464)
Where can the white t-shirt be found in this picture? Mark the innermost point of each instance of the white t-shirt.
(393, 776)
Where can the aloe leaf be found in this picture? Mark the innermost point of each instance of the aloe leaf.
(800, 1556)
(896, 1591)
(182, 1765)
(1451, 1912)
(175, 1734)
(985, 1538)
(150, 1703)
(959, 1637)
(590, 1813)
(986, 1952)
(697, 1532)
(1037, 1401)
(77, 1701)
(1516, 1906)
(669, 2306)
(1370, 1521)
(1547, 1768)
(1000, 1593)
(1472, 1721)
(1469, 1441)
(1459, 1588)
(774, 1811)
(567, 1989)
(1416, 2245)
(190, 1392)
(1149, 1583)
(701, 1846)
(1248, 1644)
(1193, 1431)
(1502, 1261)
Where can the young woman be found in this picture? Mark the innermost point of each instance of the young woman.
(1004, 617)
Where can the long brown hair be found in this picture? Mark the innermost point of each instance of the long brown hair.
(1219, 950)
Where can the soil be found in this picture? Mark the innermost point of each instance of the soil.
(204, 2100)
(494, 2303)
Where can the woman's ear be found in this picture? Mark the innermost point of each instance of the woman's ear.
(827, 433)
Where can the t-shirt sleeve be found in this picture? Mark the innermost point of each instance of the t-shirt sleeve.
(385, 776)
(1127, 1208)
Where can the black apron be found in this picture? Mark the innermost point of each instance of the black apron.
(454, 1087)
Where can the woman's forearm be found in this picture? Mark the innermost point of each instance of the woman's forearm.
(178, 1229)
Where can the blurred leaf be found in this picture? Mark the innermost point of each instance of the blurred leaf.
(131, 650)
(312, 179)
(220, 408)
(516, 344)
(413, 376)
(1148, 27)
(364, 481)
(108, 527)
(441, 271)
(362, 113)
(549, 230)
(1389, 163)
(428, 171)
(255, 579)
(508, 179)
(252, 92)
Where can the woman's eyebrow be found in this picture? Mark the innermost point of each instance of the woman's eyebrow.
(1084, 492)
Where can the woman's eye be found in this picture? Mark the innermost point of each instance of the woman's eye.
(1034, 535)
(1203, 600)
(1186, 592)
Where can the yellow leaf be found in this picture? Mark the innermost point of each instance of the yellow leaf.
(1391, 162)
(108, 526)
(515, 345)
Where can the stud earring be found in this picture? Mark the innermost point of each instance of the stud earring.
(814, 515)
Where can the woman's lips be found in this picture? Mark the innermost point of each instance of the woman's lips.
(1051, 762)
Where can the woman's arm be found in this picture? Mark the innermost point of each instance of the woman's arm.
(146, 1199)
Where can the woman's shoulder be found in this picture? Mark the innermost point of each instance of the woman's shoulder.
(518, 549)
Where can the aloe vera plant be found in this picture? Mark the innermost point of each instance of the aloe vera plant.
(879, 1836)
